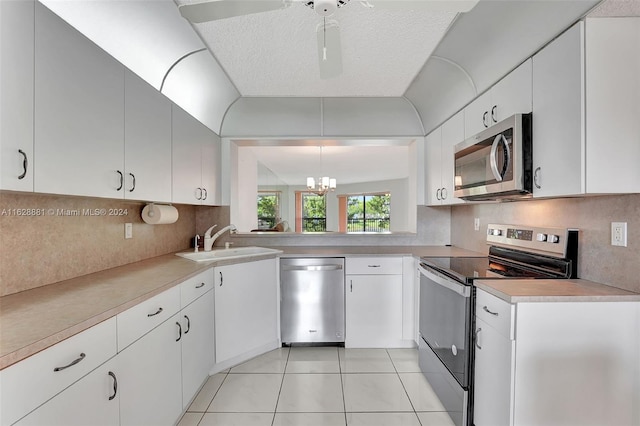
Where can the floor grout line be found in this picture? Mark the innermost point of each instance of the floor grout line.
(284, 372)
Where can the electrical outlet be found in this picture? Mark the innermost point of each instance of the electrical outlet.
(619, 234)
(476, 224)
(128, 231)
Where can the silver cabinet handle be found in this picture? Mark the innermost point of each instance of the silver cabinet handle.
(205, 193)
(311, 268)
(484, 118)
(25, 164)
(155, 313)
(443, 193)
(133, 185)
(484, 308)
(179, 331)
(536, 177)
(373, 266)
(438, 196)
(476, 338)
(121, 180)
(200, 285)
(71, 364)
(493, 114)
(188, 324)
(115, 386)
(199, 196)
(351, 286)
(221, 279)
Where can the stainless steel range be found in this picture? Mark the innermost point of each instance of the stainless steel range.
(447, 302)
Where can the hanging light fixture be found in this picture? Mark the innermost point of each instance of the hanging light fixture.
(324, 184)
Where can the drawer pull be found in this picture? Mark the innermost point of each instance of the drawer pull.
(200, 285)
(115, 386)
(476, 338)
(74, 362)
(484, 308)
(373, 266)
(155, 313)
(221, 279)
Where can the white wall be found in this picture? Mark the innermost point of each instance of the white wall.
(244, 189)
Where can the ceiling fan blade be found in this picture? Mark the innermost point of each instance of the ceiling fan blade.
(433, 5)
(329, 49)
(220, 9)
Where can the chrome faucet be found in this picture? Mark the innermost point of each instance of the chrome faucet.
(209, 240)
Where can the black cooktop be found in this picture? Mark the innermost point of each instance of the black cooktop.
(462, 269)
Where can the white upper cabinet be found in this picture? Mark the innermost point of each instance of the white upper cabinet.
(147, 154)
(511, 95)
(439, 153)
(196, 161)
(16, 102)
(586, 98)
(79, 109)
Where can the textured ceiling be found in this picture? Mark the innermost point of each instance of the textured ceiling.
(617, 8)
(275, 53)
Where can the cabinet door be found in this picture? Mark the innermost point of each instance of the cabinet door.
(187, 158)
(147, 138)
(79, 110)
(373, 311)
(493, 394)
(452, 134)
(512, 94)
(150, 378)
(211, 169)
(16, 102)
(477, 115)
(245, 307)
(558, 121)
(433, 172)
(93, 400)
(197, 345)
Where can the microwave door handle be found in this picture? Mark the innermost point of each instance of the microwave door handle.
(492, 157)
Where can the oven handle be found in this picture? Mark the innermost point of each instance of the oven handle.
(461, 289)
(499, 175)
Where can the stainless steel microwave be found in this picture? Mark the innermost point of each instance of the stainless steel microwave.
(496, 163)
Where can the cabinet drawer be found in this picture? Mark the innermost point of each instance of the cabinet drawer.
(495, 312)
(374, 265)
(41, 376)
(195, 287)
(137, 321)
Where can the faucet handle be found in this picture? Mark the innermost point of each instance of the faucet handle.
(196, 243)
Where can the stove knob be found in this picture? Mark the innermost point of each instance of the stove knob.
(553, 239)
(541, 237)
(496, 232)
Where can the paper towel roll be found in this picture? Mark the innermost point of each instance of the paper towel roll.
(158, 214)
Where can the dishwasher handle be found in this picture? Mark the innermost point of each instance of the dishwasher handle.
(335, 267)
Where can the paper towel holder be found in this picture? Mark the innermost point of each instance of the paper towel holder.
(167, 214)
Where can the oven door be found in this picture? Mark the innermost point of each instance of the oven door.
(445, 321)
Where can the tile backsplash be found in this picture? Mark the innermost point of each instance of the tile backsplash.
(598, 260)
(49, 238)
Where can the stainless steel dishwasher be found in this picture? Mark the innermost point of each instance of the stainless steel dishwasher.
(312, 300)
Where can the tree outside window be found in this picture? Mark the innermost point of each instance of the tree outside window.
(314, 213)
(368, 213)
(268, 209)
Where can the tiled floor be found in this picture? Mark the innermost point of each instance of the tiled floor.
(305, 386)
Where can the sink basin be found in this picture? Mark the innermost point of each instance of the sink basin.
(230, 253)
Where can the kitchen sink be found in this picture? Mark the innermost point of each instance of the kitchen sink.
(230, 253)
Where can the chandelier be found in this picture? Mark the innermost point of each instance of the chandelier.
(323, 185)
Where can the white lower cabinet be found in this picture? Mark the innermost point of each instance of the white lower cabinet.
(197, 345)
(246, 310)
(556, 363)
(374, 302)
(94, 400)
(150, 380)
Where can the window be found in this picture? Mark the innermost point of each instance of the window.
(368, 213)
(268, 209)
(314, 213)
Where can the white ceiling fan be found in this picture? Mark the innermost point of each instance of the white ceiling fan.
(328, 31)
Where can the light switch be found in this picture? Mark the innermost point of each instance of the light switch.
(128, 231)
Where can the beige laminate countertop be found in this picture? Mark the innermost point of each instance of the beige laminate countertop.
(417, 251)
(33, 320)
(522, 291)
